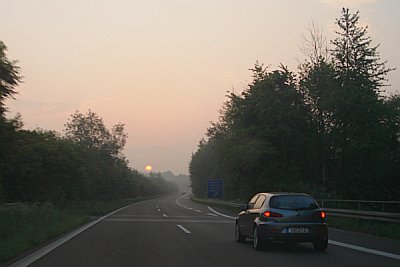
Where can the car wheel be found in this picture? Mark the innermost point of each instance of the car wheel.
(238, 236)
(258, 243)
(320, 245)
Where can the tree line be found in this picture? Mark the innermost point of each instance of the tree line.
(329, 129)
(84, 163)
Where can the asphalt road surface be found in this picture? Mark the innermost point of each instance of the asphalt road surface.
(173, 231)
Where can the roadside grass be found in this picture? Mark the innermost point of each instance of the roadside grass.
(382, 229)
(99, 208)
(25, 226)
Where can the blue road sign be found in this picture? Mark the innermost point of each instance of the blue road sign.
(215, 188)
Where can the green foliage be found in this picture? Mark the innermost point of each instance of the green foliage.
(383, 229)
(354, 57)
(361, 137)
(89, 131)
(326, 131)
(7, 145)
(260, 140)
(9, 77)
(44, 167)
(203, 167)
(26, 226)
(87, 164)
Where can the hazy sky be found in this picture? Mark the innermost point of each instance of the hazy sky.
(163, 67)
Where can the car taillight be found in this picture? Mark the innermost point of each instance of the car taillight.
(272, 214)
(322, 214)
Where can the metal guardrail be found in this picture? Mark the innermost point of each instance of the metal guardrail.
(382, 206)
(383, 211)
(365, 215)
(350, 213)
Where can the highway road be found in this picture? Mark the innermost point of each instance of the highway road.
(174, 231)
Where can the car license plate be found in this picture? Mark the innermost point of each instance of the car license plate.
(298, 230)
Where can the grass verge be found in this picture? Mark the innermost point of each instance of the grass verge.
(25, 226)
(382, 229)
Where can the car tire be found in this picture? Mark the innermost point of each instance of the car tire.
(321, 245)
(238, 236)
(258, 243)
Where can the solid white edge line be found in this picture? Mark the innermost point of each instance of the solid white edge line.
(368, 250)
(183, 229)
(29, 259)
(179, 204)
(220, 214)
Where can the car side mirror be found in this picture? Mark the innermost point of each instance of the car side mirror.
(243, 207)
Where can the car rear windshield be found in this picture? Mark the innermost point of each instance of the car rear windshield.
(293, 202)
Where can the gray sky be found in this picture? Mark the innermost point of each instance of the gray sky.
(163, 67)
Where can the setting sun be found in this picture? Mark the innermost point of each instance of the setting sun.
(148, 168)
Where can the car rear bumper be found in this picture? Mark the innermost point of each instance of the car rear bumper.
(280, 231)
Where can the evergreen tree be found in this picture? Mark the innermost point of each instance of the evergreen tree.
(357, 110)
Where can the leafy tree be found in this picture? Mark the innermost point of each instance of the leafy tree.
(9, 77)
(203, 166)
(7, 145)
(327, 131)
(9, 80)
(277, 121)
(86, 164)
(390, 181)
(317, 82)
(44, 167)
(260, 141)
(118, 139)
(89, 131)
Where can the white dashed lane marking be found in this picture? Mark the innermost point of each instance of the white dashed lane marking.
(220, 214)
(183, 229)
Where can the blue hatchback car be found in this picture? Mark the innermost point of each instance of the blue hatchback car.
(288, 217)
